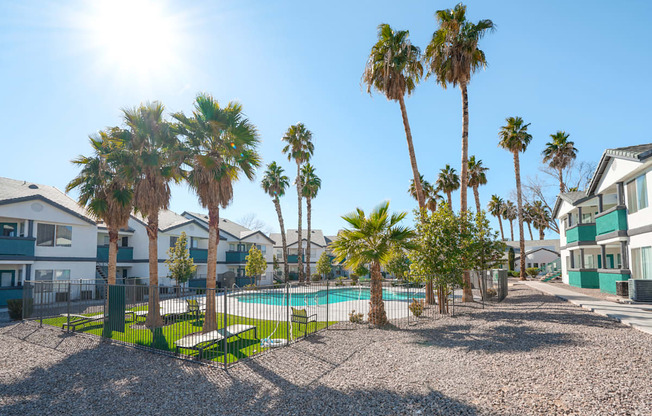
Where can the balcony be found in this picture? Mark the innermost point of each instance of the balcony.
(612, 220)
(124, 254)
(236, 256)
(581, 232)
(199, 255)
(17, 246)
(294, 258)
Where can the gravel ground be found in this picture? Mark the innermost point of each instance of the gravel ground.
(529, 355)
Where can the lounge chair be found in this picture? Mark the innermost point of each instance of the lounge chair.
(200, 341)
(193, 307)
(75, 320)
(301, 317)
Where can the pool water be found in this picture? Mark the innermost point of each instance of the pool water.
(319, 297)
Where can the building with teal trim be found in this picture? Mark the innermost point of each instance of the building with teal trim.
(606, 232)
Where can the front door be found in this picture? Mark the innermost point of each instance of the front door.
(7, 278)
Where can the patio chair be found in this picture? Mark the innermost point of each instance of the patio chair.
(75, 320)
(201, 341)
(193, 307)
(301, 317)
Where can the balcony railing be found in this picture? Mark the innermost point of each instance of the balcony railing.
(612, 220)
(294, 258)
(17, 246)
(581, 232)
(124, 253)
(199, 255)
(236, 256)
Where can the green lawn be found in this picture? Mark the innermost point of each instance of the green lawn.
(179, 326)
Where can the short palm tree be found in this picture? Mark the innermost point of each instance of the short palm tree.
(275, 183)
(558, 154)
(299, 147)
(477, 177)
(541, 218)
(495, 206)
(394, 69)
(311, 185)
(528, 217)
(430, 193)
(510, 213)
(452, 56)
(103, 191)
(150, 160)
(448, 182)
(515, 138)
(220, 145)
(371, 239)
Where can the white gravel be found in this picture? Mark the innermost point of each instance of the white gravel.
(529, 355)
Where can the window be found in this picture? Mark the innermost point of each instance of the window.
(194, 242)
(44, 276)
(125, 241)
(232, 247)
(105, 240)
(637, 194)
(45, 235)
(589, 261)
(8, 229)
(173, 241)
(7, 278)
(64, 235)
(642, 263)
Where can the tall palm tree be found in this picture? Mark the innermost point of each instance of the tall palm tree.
(447, 182)
(299, 146)
(430, 193)
(510, 213)
(558, 154)
(515, 139)
(150, 160)
(275, 183)
(311, 185)
(528, 217)
(541, 218)
(103, 191)
(394, 69)
(371, 239)
(452, 56)
(496, 205)
(220, 145)
(477, 177)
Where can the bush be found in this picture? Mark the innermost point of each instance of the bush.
(364, 280)
(15, 307)
(356, 318)
(491, 292)
(354, 279)
(251, 286)
(315, 277)
(514, 273)
(416, 307)
(340, 281)
(532, 271)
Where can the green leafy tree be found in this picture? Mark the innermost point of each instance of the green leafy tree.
(486, 250)
(370, 239)
(558, 154)
(180, 265)
(324, 264)
(398, 264)
(256, 264)
(511, 259)
(275, 183)
(275, 265)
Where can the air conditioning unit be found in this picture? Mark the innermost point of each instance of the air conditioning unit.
(640, 290)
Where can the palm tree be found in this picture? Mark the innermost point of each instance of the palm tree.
(430, 194)
(528, 217)
(220, 144)
(447, 182)
(452, 56)
(311, 185)
(299, 147)
(275, 183)
(496, 205)
(558, 154)
(103, 191)
(515, 138)
(541, 218)
(510, 214)
(394, 69)
(150, 161)
(371, 239)
(477, 177)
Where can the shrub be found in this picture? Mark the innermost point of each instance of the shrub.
(315, 277)
(364, 280)
(15, 307)
(514, 273)
(416, 307)
(356, 318)
(251, 286)
(532, 271)
(354, 279)
(491, 292)
(340, 281)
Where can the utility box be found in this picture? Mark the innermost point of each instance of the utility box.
(622, 288)
(500, 283)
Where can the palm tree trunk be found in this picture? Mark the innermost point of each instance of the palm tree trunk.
(464, 172)
(286, 267)
(542, 235)
(308, 213)
(413, 159)
(529, 227)
(511, 228)
(561, 181)
(210, 319)
(377, 315)
(476, 194)
(500, 222)
(519, 201)
(154, 319)
(113, 255)
(450, 200)
(299, 239)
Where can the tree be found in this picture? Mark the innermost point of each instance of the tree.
(452, 56)
(275, 266)
(528, 217)
(496, 209)
(487, 251)
(394, 69)
(515, 138)
(256, 263)
(477, 177)
(299, 147)
(370, 239)
(398, 264)
(105, 193)
(311, 185)
(558, 154)
(447, 182)
(150, 160)
(324, 265)
(511, 256)
(275, 184)
(254, 223)
(180, 265)
(220, 146)
(510, 214)
(541, 218)
(430, 194)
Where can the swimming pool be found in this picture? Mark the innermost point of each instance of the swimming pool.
(319, 297)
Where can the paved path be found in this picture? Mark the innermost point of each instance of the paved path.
(634, 315)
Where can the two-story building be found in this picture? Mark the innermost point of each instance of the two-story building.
(606, 232)
(318, 245)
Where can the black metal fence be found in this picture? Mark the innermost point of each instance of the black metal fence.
(245, 321)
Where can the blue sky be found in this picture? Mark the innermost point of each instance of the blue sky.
(66, 70)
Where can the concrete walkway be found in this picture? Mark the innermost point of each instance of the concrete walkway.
(635, 315)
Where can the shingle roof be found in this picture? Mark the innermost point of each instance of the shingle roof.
(317, 237)
(570, 197)
(12, 190)
(234, 229)
(639, 153)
